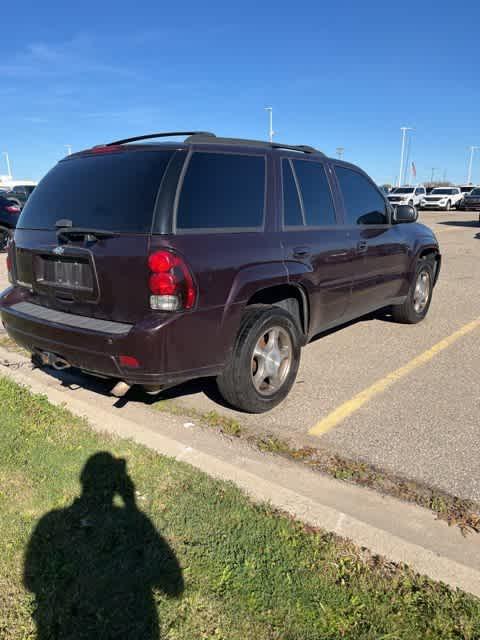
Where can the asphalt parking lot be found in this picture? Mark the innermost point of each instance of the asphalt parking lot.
(422, 422)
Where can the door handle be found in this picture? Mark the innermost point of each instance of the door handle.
(362, 245)
(301, 252)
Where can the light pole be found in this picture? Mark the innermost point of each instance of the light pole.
(340, 152)
(271, 132)
(472, 151)
(68, 147)
(7, 160)
(433, 173)
(404, 132)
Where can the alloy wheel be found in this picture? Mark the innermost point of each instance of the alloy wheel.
(421, 293)
(271, 360)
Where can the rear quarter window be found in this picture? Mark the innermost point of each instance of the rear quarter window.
(222, 191)
(317, 200)
(113, 191)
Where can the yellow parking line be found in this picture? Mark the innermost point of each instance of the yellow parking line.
(347, 408)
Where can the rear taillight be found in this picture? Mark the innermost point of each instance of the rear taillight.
(12, 209)
(171, 283)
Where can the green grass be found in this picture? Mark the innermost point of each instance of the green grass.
(193, 553)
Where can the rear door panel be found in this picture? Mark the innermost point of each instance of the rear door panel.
(325, 273)
(318, 258)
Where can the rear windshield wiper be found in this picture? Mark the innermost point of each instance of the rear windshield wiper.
(89, 233)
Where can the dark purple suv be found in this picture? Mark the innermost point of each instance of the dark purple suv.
(156, 263)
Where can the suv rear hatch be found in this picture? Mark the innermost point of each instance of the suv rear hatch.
(82, 240)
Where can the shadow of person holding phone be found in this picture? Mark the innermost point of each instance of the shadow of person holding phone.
(94, 566)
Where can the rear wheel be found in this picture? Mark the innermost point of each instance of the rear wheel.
(264, 362)
(416, 305)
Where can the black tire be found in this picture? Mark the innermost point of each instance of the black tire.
(5, 235)
(406, 312)
(236, 381)
(448, 206)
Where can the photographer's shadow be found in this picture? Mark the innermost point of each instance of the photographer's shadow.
(93, 567)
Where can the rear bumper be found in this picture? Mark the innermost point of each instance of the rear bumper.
(170, 348)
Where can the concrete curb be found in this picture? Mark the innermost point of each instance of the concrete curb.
(399, 531)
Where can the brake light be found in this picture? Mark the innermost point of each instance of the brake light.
(163, 284)
(171, 283)
(11, 208)
(161, 262)
(106, 148)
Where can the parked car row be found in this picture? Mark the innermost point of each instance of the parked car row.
(445, 198)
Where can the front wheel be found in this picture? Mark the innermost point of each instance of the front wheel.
(416, 305)
(448, 206)
(264, 362)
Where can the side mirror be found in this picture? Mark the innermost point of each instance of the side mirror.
(404, 213)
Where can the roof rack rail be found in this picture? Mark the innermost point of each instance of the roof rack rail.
(166, 134)
(296, 147)
(201, 138)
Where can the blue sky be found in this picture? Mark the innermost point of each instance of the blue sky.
(342, 73)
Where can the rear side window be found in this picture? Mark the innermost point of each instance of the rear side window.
(292, 210)
(363, 202)
(316, 196)
(112, 191)
(221, 191)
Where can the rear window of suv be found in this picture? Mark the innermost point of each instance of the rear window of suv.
(112, 191)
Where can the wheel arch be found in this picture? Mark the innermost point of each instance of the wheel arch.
(291, 297)
(432, 252)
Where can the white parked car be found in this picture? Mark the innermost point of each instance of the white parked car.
(443, 198)
(407, 195)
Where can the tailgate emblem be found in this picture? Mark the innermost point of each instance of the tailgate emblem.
(58, 251)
